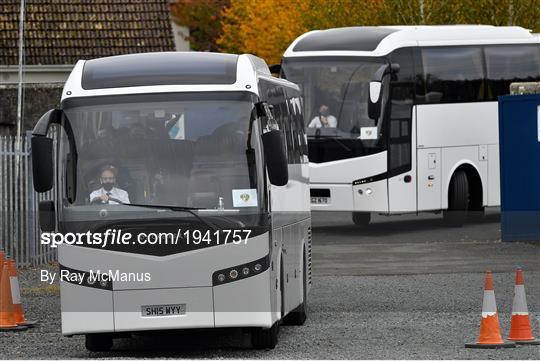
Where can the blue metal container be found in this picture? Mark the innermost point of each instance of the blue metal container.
(519, 144)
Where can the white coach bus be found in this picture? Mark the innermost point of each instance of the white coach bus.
(404, 118)
(201, 160)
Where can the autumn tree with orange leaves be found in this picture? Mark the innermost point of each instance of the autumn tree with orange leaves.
(267, 27)
(203, 18)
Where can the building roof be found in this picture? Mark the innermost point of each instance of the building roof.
(64, 31)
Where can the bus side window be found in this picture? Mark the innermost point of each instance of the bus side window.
(296, 125)
(453, 74)
(277, 97)
(506, 64)
(300, 127)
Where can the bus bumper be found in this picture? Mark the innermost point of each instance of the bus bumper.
(340, 197)
(243, 303)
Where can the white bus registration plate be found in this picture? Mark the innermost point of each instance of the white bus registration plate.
(163, 310)
(319, 200)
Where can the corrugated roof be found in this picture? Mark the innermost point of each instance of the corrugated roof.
(64, 31)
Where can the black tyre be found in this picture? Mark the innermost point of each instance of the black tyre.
(298, 316)
(361, 219)
(98, 342)
(458, 200)
(265, 338)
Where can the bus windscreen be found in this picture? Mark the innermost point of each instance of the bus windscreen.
(335, 93)
(182, 150)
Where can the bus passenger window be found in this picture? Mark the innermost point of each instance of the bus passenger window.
(506, 64)
(453, 74)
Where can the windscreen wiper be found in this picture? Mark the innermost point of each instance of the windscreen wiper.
(189, 210)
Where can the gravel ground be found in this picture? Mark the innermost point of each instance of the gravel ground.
(404, 289)
(375, 317)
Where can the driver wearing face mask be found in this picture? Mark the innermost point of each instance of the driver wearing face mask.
(324, 119)
(108, 193)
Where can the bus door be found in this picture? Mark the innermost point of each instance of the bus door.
(401, 135)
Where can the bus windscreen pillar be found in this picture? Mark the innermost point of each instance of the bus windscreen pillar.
(519, 139)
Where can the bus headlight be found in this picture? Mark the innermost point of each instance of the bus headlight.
(240, 272)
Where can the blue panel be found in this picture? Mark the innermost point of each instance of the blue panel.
(520, 167)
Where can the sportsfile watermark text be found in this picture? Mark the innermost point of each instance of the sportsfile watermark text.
(120, 237)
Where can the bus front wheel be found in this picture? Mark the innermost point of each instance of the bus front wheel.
(98, 342)
(361, 219)
(458, 200)
(265, 338)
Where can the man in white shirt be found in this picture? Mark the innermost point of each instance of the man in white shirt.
(108, 193)
(324, 120)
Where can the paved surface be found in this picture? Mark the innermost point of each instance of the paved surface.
(406, 287)
(401, 245)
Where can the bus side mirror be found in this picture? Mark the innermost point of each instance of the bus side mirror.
(374, 99)
(276, 159)
(42, 163)
(47, 216)
(42, 151)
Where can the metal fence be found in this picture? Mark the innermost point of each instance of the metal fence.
(19, 230)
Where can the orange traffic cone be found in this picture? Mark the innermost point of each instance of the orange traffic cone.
(18, 309)
(2, 258)
(520, 328)
(7, 317)
(490, 330)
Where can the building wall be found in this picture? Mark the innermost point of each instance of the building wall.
(37, 99)
(181, 36)
(47, 74)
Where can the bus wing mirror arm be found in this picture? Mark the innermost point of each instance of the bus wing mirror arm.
(375, 89)
(52, 116)
(42, 151)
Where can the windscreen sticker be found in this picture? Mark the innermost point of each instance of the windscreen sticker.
(244, 197)
(178, 130)
(368, 133)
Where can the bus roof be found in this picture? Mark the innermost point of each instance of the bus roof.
(381, 40)
(165, 72)
(159, 69)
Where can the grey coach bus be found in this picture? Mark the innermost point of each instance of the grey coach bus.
(183, 196)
